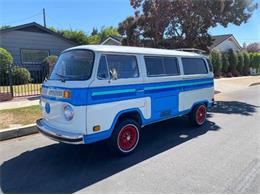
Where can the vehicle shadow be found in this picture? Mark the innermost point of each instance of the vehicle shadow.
(233, 107)
(61, 168)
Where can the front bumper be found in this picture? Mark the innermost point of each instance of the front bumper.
(58, 135)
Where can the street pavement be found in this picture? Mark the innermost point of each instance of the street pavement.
(222, 156)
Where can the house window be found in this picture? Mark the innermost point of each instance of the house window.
(33, 56)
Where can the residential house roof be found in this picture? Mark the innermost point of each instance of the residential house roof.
(35, 27)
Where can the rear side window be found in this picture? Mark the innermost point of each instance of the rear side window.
(210, 65)
(194, 66)
(118, 67)
(161, 66)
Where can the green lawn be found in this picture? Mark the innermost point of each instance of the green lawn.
(19, 116)
(27, 89)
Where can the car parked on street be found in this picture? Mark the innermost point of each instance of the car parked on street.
(98, 92)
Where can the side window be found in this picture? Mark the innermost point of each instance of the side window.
(161, 66)
(102, 68)
(210, 65)
(194, 66)
(122, 66)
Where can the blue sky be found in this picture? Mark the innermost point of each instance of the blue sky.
(86, 14)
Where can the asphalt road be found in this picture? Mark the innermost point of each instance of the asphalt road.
(223, 156)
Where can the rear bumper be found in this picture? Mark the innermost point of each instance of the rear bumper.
(58, 135)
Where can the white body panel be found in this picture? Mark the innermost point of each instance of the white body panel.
(104, 114)
(57, 120)
(188, 98)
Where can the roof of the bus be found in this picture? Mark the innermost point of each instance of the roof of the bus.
(134, 50)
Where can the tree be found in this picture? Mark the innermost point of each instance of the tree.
(253, 47)
(107, 31)
(225, 63)
(185, 22)
(76, 36)
(255, 61)
(5, 27)
(129, 29)
(246, 63)
(216, 61)
(232, 57)
(6, 60)
(81, 38)
(240, 63)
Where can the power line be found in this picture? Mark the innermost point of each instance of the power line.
(15, 21)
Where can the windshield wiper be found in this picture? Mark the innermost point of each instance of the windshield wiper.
(61, 76)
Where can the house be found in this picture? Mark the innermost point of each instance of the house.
(112, 40)
(222, 43)
(30, 43)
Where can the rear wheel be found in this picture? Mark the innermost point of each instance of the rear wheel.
(125, 137)
(198, 115)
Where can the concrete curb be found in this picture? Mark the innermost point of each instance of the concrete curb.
(18, 132)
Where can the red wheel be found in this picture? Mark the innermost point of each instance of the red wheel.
(198, 115)
(201, 114)
(127, 138)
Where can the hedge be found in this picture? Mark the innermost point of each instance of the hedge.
(234, 63)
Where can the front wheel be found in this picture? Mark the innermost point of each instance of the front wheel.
(125, 137)
(198, 115)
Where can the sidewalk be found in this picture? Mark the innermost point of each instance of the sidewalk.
(19, 103)
(225, 85)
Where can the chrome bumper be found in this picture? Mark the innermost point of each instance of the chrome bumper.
(58, 135)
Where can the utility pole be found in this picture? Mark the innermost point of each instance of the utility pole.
(44, 19)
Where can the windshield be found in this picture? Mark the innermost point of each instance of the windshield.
(73, 65)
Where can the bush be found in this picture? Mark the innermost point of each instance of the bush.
(6, 60)
(246, 63)
(48, 63)
(255, 60)
(216, 61)
(240, 63)
(50, 60)
(232, 61)
(225, 63)
(21, 76)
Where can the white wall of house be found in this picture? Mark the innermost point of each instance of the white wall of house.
(110, 41)
(229, 43)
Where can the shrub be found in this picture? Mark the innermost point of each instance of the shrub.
(240, 63)
(255, 61)
(20, 76)
(246, 63)
(232, 61)
(6, 60)
(48, 62)
(225, 63)
(216, 61)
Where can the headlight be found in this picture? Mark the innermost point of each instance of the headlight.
(68, 112)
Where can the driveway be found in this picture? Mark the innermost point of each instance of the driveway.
(223, 156)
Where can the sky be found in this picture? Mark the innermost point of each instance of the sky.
(86, 14)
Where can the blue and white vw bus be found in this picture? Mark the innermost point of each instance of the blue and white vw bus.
(98, 92)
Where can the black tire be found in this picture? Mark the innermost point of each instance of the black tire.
(198, 115)
(125, 137)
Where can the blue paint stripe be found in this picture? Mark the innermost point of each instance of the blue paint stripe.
(177, 85)
(113, 92)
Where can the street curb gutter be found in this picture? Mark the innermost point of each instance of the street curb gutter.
(18, 132)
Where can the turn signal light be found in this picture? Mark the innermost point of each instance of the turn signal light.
(96, 128)
(67, 94)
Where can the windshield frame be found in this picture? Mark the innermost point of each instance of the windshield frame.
(69, 78)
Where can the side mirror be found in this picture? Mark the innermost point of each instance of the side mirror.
(113, 74)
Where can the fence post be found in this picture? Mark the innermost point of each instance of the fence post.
(11, 80)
